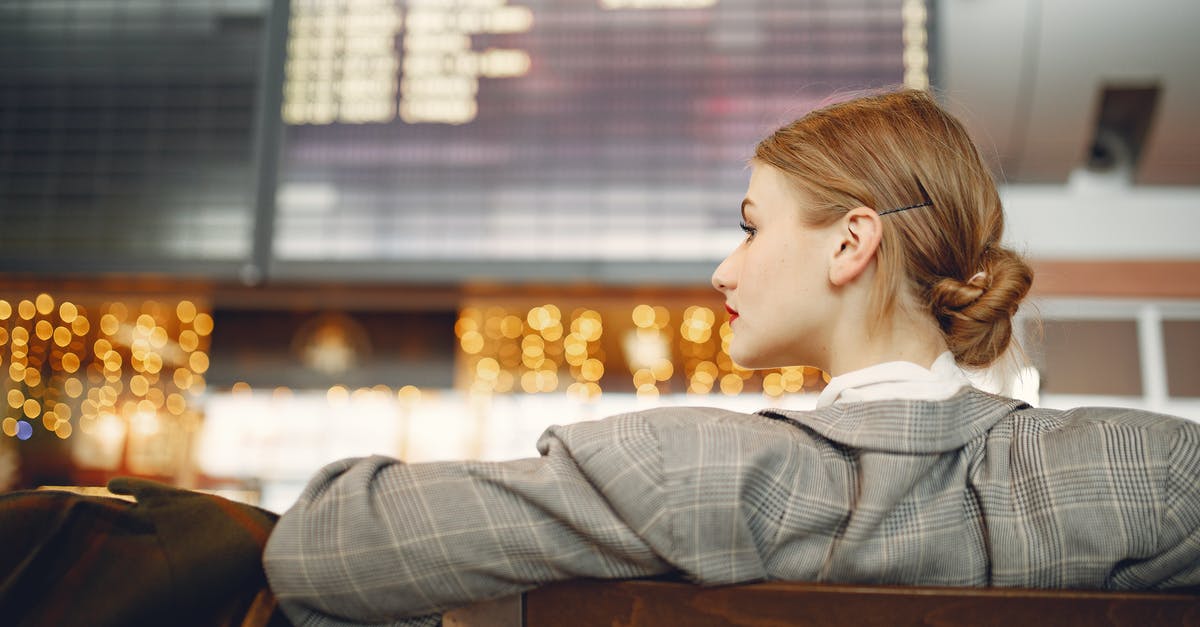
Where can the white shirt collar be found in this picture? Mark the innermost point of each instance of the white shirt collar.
(896, 380)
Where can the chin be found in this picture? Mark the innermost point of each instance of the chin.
(751, 360)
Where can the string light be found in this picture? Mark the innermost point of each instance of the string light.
(70, 364)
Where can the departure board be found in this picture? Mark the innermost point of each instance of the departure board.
(509, 130)
(127, 134)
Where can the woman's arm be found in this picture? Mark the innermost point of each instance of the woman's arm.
(373, 540)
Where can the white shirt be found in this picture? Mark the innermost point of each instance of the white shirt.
(896, 380)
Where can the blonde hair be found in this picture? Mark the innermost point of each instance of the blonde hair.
(897, 149)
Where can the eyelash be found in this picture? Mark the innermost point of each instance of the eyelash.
(750, 231)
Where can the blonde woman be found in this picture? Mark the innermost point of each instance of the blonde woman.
(873, 250)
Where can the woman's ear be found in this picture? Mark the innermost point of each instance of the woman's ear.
(858, 235)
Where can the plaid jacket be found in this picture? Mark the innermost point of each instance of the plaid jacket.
(975, 490)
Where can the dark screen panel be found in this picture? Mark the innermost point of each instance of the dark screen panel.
(550, 129)
(126, 132)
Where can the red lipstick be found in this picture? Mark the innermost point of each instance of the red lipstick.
(733, 315)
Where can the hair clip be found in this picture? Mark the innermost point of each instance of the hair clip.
(927, 203)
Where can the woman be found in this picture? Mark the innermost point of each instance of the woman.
(873, 251)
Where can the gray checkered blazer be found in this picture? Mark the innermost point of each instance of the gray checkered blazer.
(976, 490)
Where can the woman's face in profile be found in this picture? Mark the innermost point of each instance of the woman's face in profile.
(776, 282)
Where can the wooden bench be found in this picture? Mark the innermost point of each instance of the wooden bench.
(671, 604)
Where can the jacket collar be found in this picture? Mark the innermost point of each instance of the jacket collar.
(907, 426)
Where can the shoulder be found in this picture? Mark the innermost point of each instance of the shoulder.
(1107, 423)
(685, 439)
(1103, 442)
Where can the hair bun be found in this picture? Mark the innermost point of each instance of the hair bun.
(976, 314)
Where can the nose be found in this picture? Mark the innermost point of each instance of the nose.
(724, 278)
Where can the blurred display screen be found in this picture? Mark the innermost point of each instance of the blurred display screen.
(126, 133)
(550, 129)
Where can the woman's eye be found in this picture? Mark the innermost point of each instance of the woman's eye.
(748, 230)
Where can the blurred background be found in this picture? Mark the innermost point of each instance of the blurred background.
(240, 239)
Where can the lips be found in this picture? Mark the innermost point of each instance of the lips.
(733, 315)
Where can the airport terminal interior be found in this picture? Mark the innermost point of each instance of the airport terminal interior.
(241, 239)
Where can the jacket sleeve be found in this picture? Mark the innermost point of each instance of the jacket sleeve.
(373, 540)
(1176, 560)
(1178, 565)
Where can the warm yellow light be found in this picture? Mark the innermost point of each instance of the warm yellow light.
(33, 377)
(643, 377)
(662, 317)
(153, 363)
(155, 395)
(118, 310)
(773, 384)
(70, 362)
(409, 394)
(643, 316)
(471, 342)
(511, 327)
(731, 384)
(188, 340)
(487, 369)
(662, 369)
(3, 336)
(592, 369)
(158, 337)
(101, 347)
(63, 411)
(112, 361)
(176, 404)
(198, 362)
(5, 310)
(80, 326)
(533, 345)
(648, 390)
(15, 399)
(62, 336)
(73, 387)
(20, 336)
(552, 332)
(109, 324)
(699, 387)
(145, 323)
(529, 382)
(63, 430)
(590, 326)
(44, 330)
(537, 318)
(32, 408)
(111, 391)
(138, 385)
(337, 395)
(792, 379)
(465, 324)
(185, 311)
(10, 427)
(241, 387)
(26, 310)
(575, 349)
(203, 324)
(183, 378)
(50, 420)
(67, 312)
(45, 304)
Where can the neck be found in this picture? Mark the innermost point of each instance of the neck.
(904, 336)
